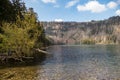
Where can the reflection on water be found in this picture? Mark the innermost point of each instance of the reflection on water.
(93, 62)
(82, 63)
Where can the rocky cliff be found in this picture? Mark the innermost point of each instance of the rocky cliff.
(93, 32)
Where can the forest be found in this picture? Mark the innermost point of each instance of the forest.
(20, 31)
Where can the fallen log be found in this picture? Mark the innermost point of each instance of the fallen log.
(41, 51)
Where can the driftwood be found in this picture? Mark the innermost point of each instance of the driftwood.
(41, 51)
(6, 58)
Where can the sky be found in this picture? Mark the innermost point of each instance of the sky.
(74, 10)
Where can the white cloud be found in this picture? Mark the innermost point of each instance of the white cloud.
(93, 6)
(58, 20)
(112, 5)
(71, 3)
(49, 1)
(118, 12)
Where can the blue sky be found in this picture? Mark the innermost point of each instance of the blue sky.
(74, 10)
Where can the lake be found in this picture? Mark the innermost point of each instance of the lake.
(85, 62)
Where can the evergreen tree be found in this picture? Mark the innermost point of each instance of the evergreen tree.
(20, 31)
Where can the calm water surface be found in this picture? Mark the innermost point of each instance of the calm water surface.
(93, 62)
(82, 63)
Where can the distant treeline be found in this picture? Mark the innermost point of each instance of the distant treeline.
(20, 30)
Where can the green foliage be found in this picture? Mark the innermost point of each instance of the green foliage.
(23, 34)
(10, 9)
(2, 43)
(88, 41)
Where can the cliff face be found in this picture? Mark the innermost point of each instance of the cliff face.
(94, 32)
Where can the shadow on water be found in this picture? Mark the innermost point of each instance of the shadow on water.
(27, 70)
(26, 62)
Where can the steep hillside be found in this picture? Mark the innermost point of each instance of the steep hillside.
(94, 32)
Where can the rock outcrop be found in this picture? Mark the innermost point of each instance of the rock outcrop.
(93, 32)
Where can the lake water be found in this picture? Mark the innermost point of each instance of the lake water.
(93, 62)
